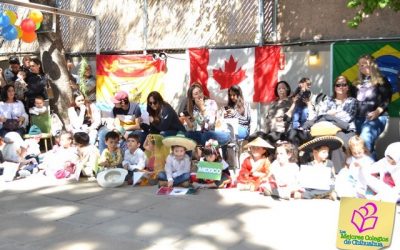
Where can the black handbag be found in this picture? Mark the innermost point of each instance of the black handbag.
(11, 124)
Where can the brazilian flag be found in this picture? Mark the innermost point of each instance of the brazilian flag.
(387, 55)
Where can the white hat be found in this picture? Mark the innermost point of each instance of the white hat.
(114, 177)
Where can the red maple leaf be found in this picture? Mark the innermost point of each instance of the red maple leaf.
(230, 76)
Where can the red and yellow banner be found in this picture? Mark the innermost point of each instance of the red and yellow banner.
(138, 75)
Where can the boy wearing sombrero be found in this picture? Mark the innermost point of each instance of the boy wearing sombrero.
(255, 168)
(177, 166)
(317, 176)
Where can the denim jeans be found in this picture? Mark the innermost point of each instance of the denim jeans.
(201, 138)
(300, 115)
(369, 131)
(162, 176)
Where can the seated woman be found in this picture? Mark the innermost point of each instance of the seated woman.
(84, 116)
(202, 115)
(12, 113)
(163, 118)
(339, 109)
(373, 95)
(238, 108)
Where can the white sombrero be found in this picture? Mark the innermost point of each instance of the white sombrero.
(259, 142)
(111, 177)
(179, 140)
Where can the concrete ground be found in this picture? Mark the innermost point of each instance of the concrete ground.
(39, 213)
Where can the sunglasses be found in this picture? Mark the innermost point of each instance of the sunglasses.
(152, 103)
(338, 85)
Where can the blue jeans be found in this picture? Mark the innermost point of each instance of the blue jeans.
(300, 115)
(369, 131)
(201, 138)
(242, 133)
(162, 176)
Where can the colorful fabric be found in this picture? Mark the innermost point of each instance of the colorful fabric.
(253, 172)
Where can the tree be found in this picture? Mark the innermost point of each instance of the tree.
(368, 7)
(52, 55)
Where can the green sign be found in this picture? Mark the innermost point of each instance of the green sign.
(209, 170)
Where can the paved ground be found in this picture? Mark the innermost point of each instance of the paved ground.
(36, 213)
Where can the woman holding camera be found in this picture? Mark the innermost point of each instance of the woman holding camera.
(238, 108)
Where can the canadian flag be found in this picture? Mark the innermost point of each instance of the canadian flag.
(255, 70)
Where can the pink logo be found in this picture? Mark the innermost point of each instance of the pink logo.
(363, 218)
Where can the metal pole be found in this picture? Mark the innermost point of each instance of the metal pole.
(97, 37)
(146, 20)
(275, 21)
(261, 20)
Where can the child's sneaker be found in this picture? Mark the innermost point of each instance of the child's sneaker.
(24, 173)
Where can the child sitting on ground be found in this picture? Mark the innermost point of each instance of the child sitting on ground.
(211, 154)
(58, 157)
(383, 177)
(39, 107)
(284, 173)
(88, 156)
(317, 177)
(156, 153)
(177, 166)
(134, 157)
(111, 157)
(255, 168)
(350, 181)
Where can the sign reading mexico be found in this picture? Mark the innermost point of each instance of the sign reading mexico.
(365, 224)
(209, 170)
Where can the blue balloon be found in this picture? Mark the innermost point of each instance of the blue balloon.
(4, 20)
(10, 33)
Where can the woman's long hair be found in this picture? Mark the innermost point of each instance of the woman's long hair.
(348, 86)
(77, 93)
(376, 77)
(190, 100)
(239, 104)
(4, 95)
(155, 113)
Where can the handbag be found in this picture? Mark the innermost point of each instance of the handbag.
(11, 124)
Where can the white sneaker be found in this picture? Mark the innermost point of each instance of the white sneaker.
(24, 173)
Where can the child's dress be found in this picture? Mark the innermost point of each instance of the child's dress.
(283, 178)
(253, 173)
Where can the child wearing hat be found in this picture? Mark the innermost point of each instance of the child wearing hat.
(255, 168)
(177, 166)
(316, 177)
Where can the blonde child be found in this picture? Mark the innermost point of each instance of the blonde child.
(211, 154)
(88, 156)
(350, 181)
(20, 86)
(383, 177)
(134, 157)
(255, 168)
(111, 157)
(178, 163)
(284, 173)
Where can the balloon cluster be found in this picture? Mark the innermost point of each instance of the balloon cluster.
(25, 31)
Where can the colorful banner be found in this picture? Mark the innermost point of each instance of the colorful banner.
(255, 70)
(138, 75)
(209, 170)
(387, 54)
(365, 224)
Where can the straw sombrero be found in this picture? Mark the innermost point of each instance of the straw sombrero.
(259, 142)
(332, 142)
(114, 177)
(324, 128)
(179, 140)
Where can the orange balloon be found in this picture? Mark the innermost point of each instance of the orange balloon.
(28, 37)
(36, 16)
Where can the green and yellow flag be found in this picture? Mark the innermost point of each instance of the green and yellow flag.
(387, 55)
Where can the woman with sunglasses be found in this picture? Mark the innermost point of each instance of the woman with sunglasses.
(340, 109)
(373, 96)
(163, 118)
